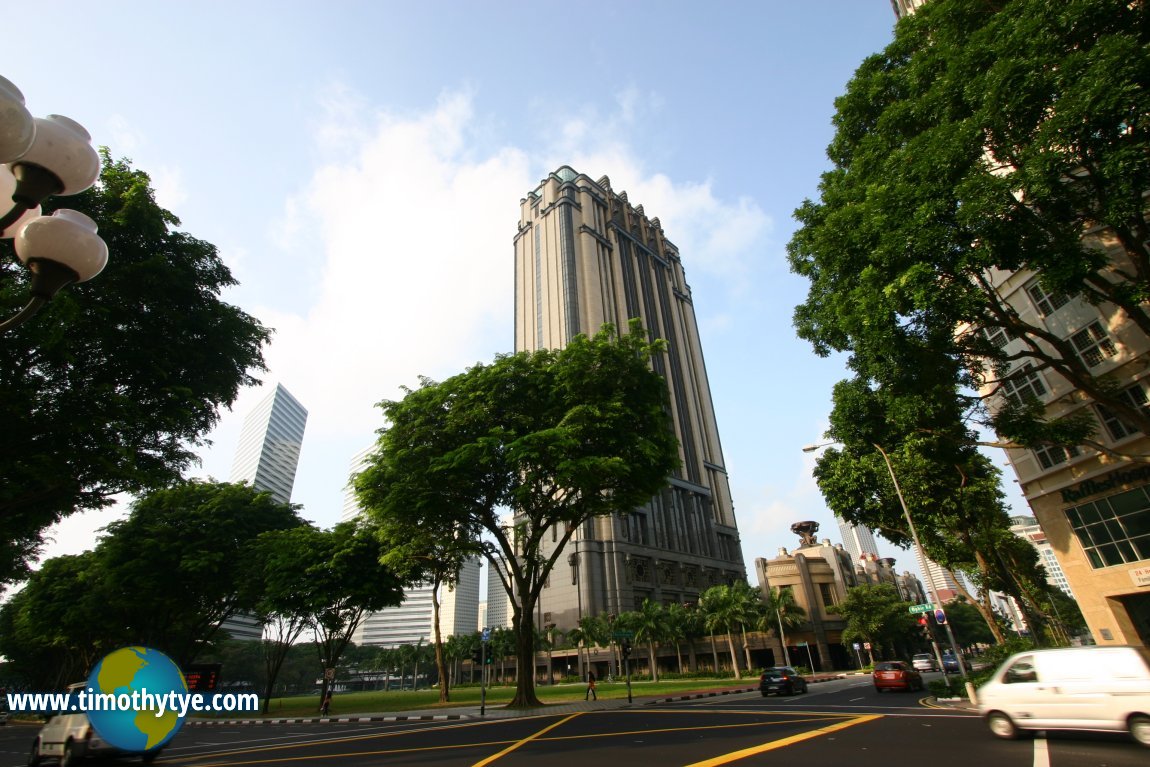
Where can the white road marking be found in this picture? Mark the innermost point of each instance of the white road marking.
(1041, 753)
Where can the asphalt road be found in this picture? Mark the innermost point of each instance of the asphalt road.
(844, 722)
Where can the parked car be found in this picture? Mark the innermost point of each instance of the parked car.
(950, 664)
(1072, 688)
(896, 675)
(924, 661)
(782, 680)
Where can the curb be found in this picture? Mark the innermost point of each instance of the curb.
(732, 691)
(325, 720)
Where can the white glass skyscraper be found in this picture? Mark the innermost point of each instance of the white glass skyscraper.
(270, 444)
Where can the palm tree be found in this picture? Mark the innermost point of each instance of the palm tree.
(724, 608)
(596, 632)
(677, 619)
(781, 613)
(752, 603)
(649, 623)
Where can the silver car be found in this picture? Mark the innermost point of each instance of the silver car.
(924, 661)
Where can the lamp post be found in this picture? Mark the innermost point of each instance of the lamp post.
(41, 157)
(922, 555)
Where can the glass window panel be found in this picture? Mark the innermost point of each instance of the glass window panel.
(1095, 559)
(1089, 513)
(1142, 547)
(1074, 517)
(1110, 554)
(1137, 523)
(1125, 503)
(1127, 550)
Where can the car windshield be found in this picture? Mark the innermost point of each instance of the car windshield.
(776, 673)
(888, 666)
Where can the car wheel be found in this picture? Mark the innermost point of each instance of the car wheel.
(1140, 729)
(34, 757)
(1002, 725)
(69, 758)
(764, 693)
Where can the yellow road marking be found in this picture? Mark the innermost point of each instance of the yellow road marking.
(528, 739)
(736, 755)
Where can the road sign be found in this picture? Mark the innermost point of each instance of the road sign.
(916, 609)
(939, 617)
(856, 645)
(486, 635)
(866, 645)
(623, 635)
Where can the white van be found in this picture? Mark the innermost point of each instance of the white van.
(1074, 688)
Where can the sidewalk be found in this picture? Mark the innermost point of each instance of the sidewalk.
(494, 712)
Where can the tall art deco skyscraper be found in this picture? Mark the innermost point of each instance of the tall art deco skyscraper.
(584, 256)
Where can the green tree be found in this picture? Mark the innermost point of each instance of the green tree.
(349, 580)
(111, 388)
(55, 629)
(418, 553)
(781, 613)
(556, 437)
(184, 561)
(875, 614)
(726, 609)
(650, 625)
(988, 135)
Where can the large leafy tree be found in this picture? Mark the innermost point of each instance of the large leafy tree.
(951, 489)
(875, 614)
(346, 579)
(112, 386)
(185, 560)
(556, 437)
(990, 135)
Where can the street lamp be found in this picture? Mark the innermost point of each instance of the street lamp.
(922, 555)
(41, 157)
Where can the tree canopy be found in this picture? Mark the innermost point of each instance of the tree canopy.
(113, 385)
(167, 576)
(549, 438)
(991, 137)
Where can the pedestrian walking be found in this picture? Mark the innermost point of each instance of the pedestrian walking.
(591, 695)
(326, 705)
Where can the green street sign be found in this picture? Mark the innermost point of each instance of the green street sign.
(916, 609)
(623, 635)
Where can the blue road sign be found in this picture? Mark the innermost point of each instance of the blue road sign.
(486, 635)
(939, 616)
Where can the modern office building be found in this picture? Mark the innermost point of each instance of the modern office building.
(935, 577)
(266, 458)
(270, 443)
(1028, 529)
(585, 256)
(905, 7)
(498, 603)
(351, 508)
(859, 541)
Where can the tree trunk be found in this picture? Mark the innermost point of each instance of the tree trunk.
(714, 654)
(525, 657)
(653, 660)
(734, 655)
(444, 692)
(679, 655)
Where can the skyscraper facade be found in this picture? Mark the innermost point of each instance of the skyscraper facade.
(1028, 529)
(585, 256)
(266, 459)
(859, 541)
(270, 443)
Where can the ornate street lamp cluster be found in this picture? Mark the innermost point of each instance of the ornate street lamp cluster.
(41, 157)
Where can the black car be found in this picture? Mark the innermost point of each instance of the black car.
(782, 680)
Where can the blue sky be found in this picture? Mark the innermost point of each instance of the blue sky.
(359, 165)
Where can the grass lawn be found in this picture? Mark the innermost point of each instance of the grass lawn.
(343, 704)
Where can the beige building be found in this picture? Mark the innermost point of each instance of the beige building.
(1094, 508)
(819, 574)
(585, 256)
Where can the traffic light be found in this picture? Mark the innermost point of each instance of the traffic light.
(477, 655)
(924, 625)
(626, 648)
